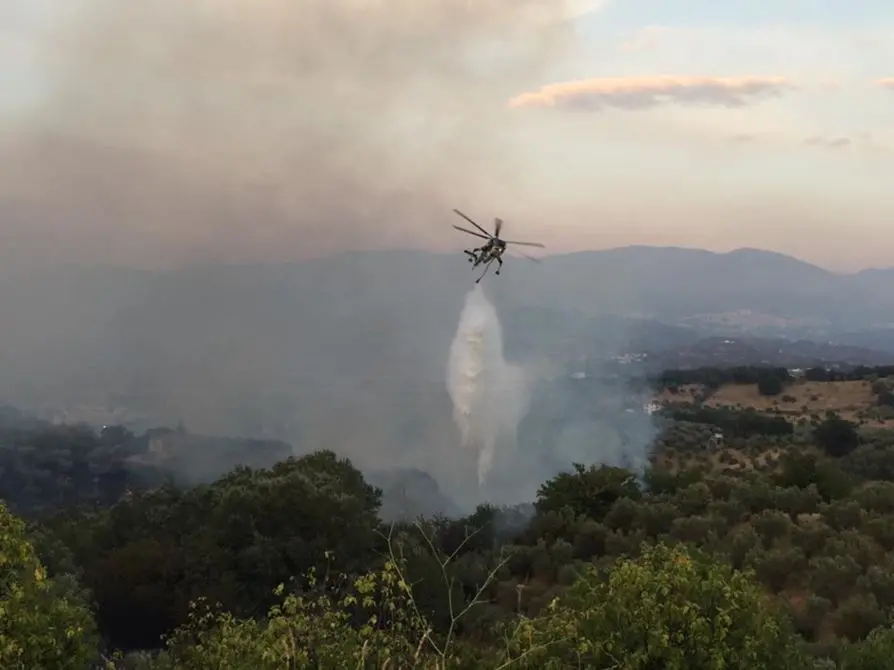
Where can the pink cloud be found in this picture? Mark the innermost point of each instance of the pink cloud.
(645, 92)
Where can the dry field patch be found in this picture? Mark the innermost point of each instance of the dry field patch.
(847, 398)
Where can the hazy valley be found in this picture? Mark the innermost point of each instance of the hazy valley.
(673, 397)
(350, 352)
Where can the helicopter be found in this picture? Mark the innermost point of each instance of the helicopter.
(493, 249)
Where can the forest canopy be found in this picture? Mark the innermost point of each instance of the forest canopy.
(771, 549)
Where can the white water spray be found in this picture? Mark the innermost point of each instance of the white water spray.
(489, 395)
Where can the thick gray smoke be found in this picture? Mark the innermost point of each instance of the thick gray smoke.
(268, 130)
(489, 395)
(178, 134)
(527, 421)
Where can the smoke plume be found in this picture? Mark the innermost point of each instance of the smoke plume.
(489, 395)
(172, 135)
(267, 130)
(178, 135)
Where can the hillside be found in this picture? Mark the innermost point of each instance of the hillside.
(272, 351)
(732, 351)
(852, 400)
(809, 517)
(865, 399)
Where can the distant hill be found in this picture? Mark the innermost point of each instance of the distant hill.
(349, 352)
(734, 351)
(880, 338)
(747, 289)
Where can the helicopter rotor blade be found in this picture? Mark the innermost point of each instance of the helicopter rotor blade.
(498, 226)
(471, 232)
(526, 244)
(530, 258)
(456, 211)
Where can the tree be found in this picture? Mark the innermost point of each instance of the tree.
(309, 630)
(671, 609)
(803, 469)
(233, 541)
(874, 653)
(43, 624)
(374, 620)
(769, 385)
(588, 491)
(817, 375)
(836, 436)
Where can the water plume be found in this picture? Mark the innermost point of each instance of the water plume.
(489, 395)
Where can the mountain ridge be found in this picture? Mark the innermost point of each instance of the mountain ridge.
(221, 338)
(755, 252)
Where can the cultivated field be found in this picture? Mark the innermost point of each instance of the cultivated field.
(804, 403)
(852, 400)
(845, 398)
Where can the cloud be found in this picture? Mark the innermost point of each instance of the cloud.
(645, 92)
(579, 8)
(269, 129)
(827, 142)
(887, 83)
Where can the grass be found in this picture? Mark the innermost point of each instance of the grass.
(803, 397)
(849, 399)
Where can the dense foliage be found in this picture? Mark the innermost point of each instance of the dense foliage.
(714, 377)
(736, 423)
(43, 623)
(717, 377)
(774, 549)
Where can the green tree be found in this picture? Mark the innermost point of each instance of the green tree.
(671, 608)
(769, 385)
(876, 652)
(309, 631)
(232, 542)
(43, 624)
(588, 491)
(801, 470)
(371, 621)
(836, 436)
(857, 617)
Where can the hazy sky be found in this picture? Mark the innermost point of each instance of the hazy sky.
(156, 133)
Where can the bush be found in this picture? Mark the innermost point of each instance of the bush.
(43, 623)
(671, 609)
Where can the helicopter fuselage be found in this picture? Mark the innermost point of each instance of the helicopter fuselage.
(493, 248)
(492, 251)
